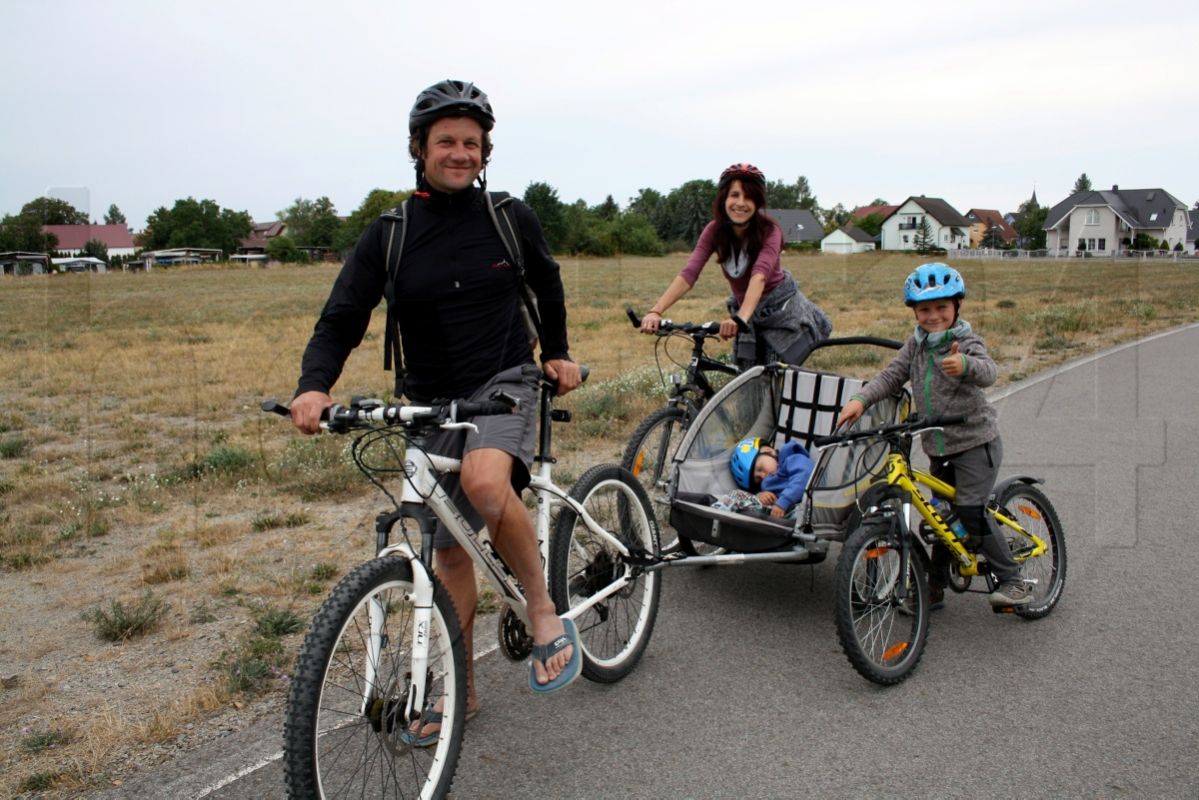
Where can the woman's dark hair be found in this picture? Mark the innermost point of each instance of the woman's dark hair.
(760, 225)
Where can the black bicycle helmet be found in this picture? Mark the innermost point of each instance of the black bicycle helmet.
(451, 99)
(741, 172)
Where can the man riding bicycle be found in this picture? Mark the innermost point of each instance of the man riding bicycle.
(457, 299)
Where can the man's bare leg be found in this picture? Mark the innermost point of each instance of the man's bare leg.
(487, 481)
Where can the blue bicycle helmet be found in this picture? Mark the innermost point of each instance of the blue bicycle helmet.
(933, 281)
(742, 462)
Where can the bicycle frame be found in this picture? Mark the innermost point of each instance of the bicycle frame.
(425, 501)
(899, 473)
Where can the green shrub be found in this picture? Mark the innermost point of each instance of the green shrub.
(278, 622)
(120, 622)
(14, 447)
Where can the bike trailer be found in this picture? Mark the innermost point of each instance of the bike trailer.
(777, 403)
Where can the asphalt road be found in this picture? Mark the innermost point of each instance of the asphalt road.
(744, 691)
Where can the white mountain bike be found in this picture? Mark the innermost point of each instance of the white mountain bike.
(386, 647)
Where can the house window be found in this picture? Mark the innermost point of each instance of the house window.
(1153, 217)
(1093, 216)
(1103, 244)
(1090, 244)
(905, 238)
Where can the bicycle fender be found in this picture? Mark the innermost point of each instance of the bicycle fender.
(1002, 486)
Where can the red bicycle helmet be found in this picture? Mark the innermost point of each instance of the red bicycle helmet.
(741, 172)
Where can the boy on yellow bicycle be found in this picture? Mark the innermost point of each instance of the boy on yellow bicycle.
(948, 366)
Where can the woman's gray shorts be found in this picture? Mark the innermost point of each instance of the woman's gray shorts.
(514, 433)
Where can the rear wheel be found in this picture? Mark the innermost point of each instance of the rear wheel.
(882, 636)
(648, 457)
(614, 631)
(1029, 507)
(345, 725)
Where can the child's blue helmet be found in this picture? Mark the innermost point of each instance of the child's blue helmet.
(742, 462)
(933, 281)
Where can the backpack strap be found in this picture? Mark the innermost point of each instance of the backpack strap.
(499, 206)
(391, 337)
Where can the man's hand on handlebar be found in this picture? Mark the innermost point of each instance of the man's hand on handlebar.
(565, 372)
(306, 410)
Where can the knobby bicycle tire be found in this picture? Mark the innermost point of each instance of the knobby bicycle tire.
(614, 632)
(1029, 506)
(648, 457)
(882, 639)
(341, 740)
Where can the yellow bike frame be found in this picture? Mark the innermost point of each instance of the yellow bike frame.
(901, 474)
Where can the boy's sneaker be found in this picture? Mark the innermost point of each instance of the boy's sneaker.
(1011, 594)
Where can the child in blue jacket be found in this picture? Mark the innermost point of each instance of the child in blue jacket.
(769, 478)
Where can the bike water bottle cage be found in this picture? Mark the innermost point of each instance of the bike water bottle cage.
(742, 462)
(933, 281)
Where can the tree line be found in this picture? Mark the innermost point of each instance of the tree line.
(651, 223)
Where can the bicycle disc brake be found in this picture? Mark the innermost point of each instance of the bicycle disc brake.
(515, 642)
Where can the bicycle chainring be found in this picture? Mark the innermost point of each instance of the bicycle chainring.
(515, 642)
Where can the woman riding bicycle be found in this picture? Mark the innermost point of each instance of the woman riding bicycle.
(771, 318)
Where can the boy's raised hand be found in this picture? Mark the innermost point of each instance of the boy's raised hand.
(954, 364)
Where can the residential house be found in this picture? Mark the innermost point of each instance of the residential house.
(799, 225)
(861, 212)
(1106, 222)
(847, 239)
(72, 238)
(949, 229)
(1192, 230)
(260, 234)
(981, 221)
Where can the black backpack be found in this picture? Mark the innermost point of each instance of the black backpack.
(499, 206)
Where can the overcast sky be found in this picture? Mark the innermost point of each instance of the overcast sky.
(253, 104)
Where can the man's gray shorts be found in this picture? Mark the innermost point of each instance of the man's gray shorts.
(972, 472)
(515, 434)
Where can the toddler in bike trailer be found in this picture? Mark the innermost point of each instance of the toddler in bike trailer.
(948, 366)
(771, 480)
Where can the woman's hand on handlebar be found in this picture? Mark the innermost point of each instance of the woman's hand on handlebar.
(565, 372)
(650, 322)
(850, 413)
(306, 410)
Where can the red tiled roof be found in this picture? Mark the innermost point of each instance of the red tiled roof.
(861, 212)
(74, 237)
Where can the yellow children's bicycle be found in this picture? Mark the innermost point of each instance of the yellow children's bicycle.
(881, 589)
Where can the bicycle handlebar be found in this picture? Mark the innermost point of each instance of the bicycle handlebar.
(709, 330)
(362, 413)
(909, 427)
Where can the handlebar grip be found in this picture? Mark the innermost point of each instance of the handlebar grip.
(483, 408)
(742, 325)
(633, 318)
(945, 419)
(275, 407)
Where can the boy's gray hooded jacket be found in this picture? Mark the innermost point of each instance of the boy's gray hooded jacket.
(935, 393)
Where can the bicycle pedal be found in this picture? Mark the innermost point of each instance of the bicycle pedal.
(515, 642)
(1003, 609)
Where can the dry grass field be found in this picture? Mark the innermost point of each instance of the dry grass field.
(163, 543)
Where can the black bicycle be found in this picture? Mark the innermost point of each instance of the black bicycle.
(653, 444)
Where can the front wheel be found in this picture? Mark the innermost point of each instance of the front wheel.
(1028, 507)
(614, 631)
(345, 733)
(882, 635)
(648, 457)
